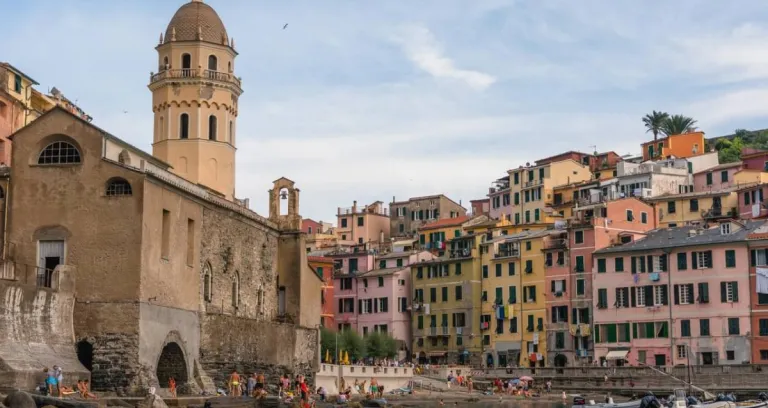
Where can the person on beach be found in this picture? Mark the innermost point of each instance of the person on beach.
(469, 385)
(50, 380)
(172, 386)
(234, 384)
(250, 385)
(260, 382)
(304, 390)
(85, 390)
(57, 372)
(549, 386)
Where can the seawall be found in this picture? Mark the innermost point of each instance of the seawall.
(36, 331)
(391, 378)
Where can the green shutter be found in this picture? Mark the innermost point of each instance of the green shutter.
(597, 333)
(634, 330)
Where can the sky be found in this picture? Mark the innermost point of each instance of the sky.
(370, 100)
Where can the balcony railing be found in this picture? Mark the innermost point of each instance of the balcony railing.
(555, 243)
(460, 253)
(719, 212)
(533, 183)
(506, 253)
(195, 73)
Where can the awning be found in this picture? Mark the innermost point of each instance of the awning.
(617, 355)
(404, 242)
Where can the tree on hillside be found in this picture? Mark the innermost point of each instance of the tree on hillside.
(741, 133)
(653, 122)
(729, 151)
(678, 124)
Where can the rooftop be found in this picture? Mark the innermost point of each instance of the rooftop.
(320, 259)
(696, 194)
(445, 222)
(382, 272)
(721, 167)
(681, 237)
(196, 21)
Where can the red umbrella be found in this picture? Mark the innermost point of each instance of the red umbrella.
(526, 378)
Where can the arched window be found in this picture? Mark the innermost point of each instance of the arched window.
(212, 63)
(118, 187)
(165, 63)
(124, 158)
(207, 282)
(162, 128)
(236, 290)
(184, 126)
(59, 153)
(231, 132)
(229, 67)
(186, 61)
(212, 127)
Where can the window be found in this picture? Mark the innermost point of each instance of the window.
(579, 237)
(17, 83)
(746, 195)
(601, 265)
(618, 264)
(701, 260)
(530, 294)
(559, 314)
(725, 228)
(499, 296)
(360, 221)
(212, 63)
(511, 269)
(709, 179)
(485, 271)
(682, 261)
(683, 294)
(536, 214)
(498, 270)
(433, 295)
(640, 299)
(630, 217)
(730, 258)
(580, 263)
(694, 205)
(763, 327)
(118, 187)
(763, 354)
(528, 266)
(622, 297)
(724, 176)
(730, 355)
(444, 292)
(459, 294)
(186, 62)
(344, 224)
(703, 292)
(671, 207)
(560, 340)
(580, 287)
(660, 295)
(59, 153)
(644, 217)
(166, 235)
(231, 131)
(212, 127)
(602, 298)
(381, 281)
(512, 295)
(704, 327)
(682, 351)
(184, 126)
(729, 292)
(207, 282)
(527, 245)
(733, 326)
(685, 328)
(191, 242)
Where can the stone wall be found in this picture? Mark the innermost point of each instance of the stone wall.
(36, 331)
(232, 343)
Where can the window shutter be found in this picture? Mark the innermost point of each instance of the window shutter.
(626, 331)
(633, 297)
(532, 293)
(634, 330)
(453, 319)
(642, 263)
(597, 333)
(708, 259)
(634, 265)
(753, 258)
(565, 282)
(650, 264)
(735, 291)
(703, 292)
(554, 312)
(663, 261)
(694, 260)
(375, 306)
(690, 290)
(682, 259)
(723, 292)
(575, 314)
(677, 294)
(649, 295)
(513, 294)
(360, 306)
(664, 295)
(341, 306)
(553, 286)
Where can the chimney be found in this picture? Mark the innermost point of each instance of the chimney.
(354, 206)
(393, 199)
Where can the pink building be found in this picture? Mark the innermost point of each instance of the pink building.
(754, 159)
(716, 178)
(678, 295)
(310, 226)
(367, 226)
(751, 201)
(347, 265)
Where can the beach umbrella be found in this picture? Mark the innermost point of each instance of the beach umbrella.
(526, 378)
(341, 357)
(346, 357)
(327, 356)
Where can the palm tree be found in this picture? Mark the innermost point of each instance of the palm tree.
(653, 122)
(678, 124)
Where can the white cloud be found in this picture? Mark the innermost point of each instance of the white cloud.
(730, 106)
(423, 50)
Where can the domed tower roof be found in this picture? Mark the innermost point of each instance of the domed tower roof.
(196, 21)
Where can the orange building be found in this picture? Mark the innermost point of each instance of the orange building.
(324, 268)
(681, 146)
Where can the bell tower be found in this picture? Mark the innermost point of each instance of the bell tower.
(195, 98)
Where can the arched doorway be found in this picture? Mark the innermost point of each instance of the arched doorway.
(171, 364)
(85, 354)
(561, 360)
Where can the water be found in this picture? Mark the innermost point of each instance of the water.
(484, 404)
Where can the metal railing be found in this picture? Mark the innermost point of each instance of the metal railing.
(505, 253)
(533, 183)
(195, 73)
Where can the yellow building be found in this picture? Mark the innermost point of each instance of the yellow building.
(514, 304)
(435, 236)
(446, 307)
(677, 210)
(532, 189)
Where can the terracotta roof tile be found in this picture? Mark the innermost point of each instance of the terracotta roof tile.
(319, 259)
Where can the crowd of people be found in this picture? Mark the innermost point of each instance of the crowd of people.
(255, 386)
(54, 385)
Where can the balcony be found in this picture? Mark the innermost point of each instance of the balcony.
(719, 212)
(598, 198)
(189, 73)
(439, 331)
(507, 253)
(560, 243)
(460, 253)
(533, 183)
(459, 331)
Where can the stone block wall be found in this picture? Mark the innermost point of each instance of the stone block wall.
(36, 331)
(230, 343)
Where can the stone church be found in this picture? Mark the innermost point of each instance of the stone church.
(171, 275)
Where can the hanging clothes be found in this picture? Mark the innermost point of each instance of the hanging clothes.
(426, 308)
(762, 280)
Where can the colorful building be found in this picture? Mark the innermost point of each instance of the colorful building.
(676, 210)
(514, 305)
(446, 317)
(754, 159)
(367, 226)
(758, 260)
(678, 295)
(716, 178)
(531, 189)
(500, 200)
(435, 236)
(347, 265)
(406, 217)
(480, 206)
(681, 146)
(324, 268)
